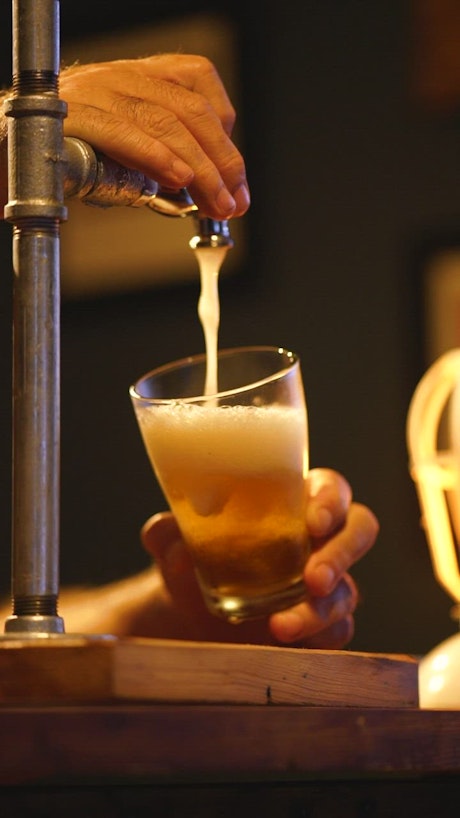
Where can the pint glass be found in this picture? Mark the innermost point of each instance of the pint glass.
(232, 467)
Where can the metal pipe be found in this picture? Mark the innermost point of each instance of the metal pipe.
(35, 208)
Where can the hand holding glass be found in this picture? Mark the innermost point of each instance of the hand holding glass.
(233, 467)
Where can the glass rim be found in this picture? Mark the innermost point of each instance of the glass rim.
(200, 357)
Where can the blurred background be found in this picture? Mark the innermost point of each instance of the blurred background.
(349, 121)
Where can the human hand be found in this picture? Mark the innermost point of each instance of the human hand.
(342, 532)
(167, 116)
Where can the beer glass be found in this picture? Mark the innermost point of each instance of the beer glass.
(232, 466)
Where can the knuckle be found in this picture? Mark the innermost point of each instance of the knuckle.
(197, 109)
(200, 64)
(232, 167)
(155, 120)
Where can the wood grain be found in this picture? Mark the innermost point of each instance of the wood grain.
(167, 742)
(82, 669)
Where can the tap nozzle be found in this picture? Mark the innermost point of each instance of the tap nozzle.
(211, 233)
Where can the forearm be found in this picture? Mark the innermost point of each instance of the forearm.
(136, 606)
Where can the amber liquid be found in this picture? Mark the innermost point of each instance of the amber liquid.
(252, 540)
(234, 478)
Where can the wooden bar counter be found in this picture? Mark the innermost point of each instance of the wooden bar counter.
(241, 732)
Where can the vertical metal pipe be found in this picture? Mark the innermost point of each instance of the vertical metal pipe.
(35, 207)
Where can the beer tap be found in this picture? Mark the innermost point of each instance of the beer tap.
(100, 181)
(43, 170)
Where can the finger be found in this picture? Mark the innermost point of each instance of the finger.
(158, 533)
(161, 538)
(188, 125)
(127, 144)
(329, 497)
(310, 618)
(335, 637)
(331, 559)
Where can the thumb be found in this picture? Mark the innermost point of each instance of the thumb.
(162, 539)
(158, 533)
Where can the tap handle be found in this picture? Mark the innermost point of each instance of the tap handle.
(100, 181)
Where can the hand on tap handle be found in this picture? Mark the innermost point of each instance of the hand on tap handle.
(167, 116)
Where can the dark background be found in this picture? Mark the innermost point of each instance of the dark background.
(352, 185)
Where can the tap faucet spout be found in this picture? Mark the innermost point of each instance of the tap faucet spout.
(210, 233)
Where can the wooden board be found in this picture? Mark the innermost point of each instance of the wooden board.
(129, 743)
(81, 669)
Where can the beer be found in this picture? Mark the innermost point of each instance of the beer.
(234, 476)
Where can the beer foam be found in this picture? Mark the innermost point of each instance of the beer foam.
(236, 438)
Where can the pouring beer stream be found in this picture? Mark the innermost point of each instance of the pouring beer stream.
(210, 247)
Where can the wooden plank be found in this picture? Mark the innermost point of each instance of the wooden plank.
(253, 674)
(140, 742)
(73, 669)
